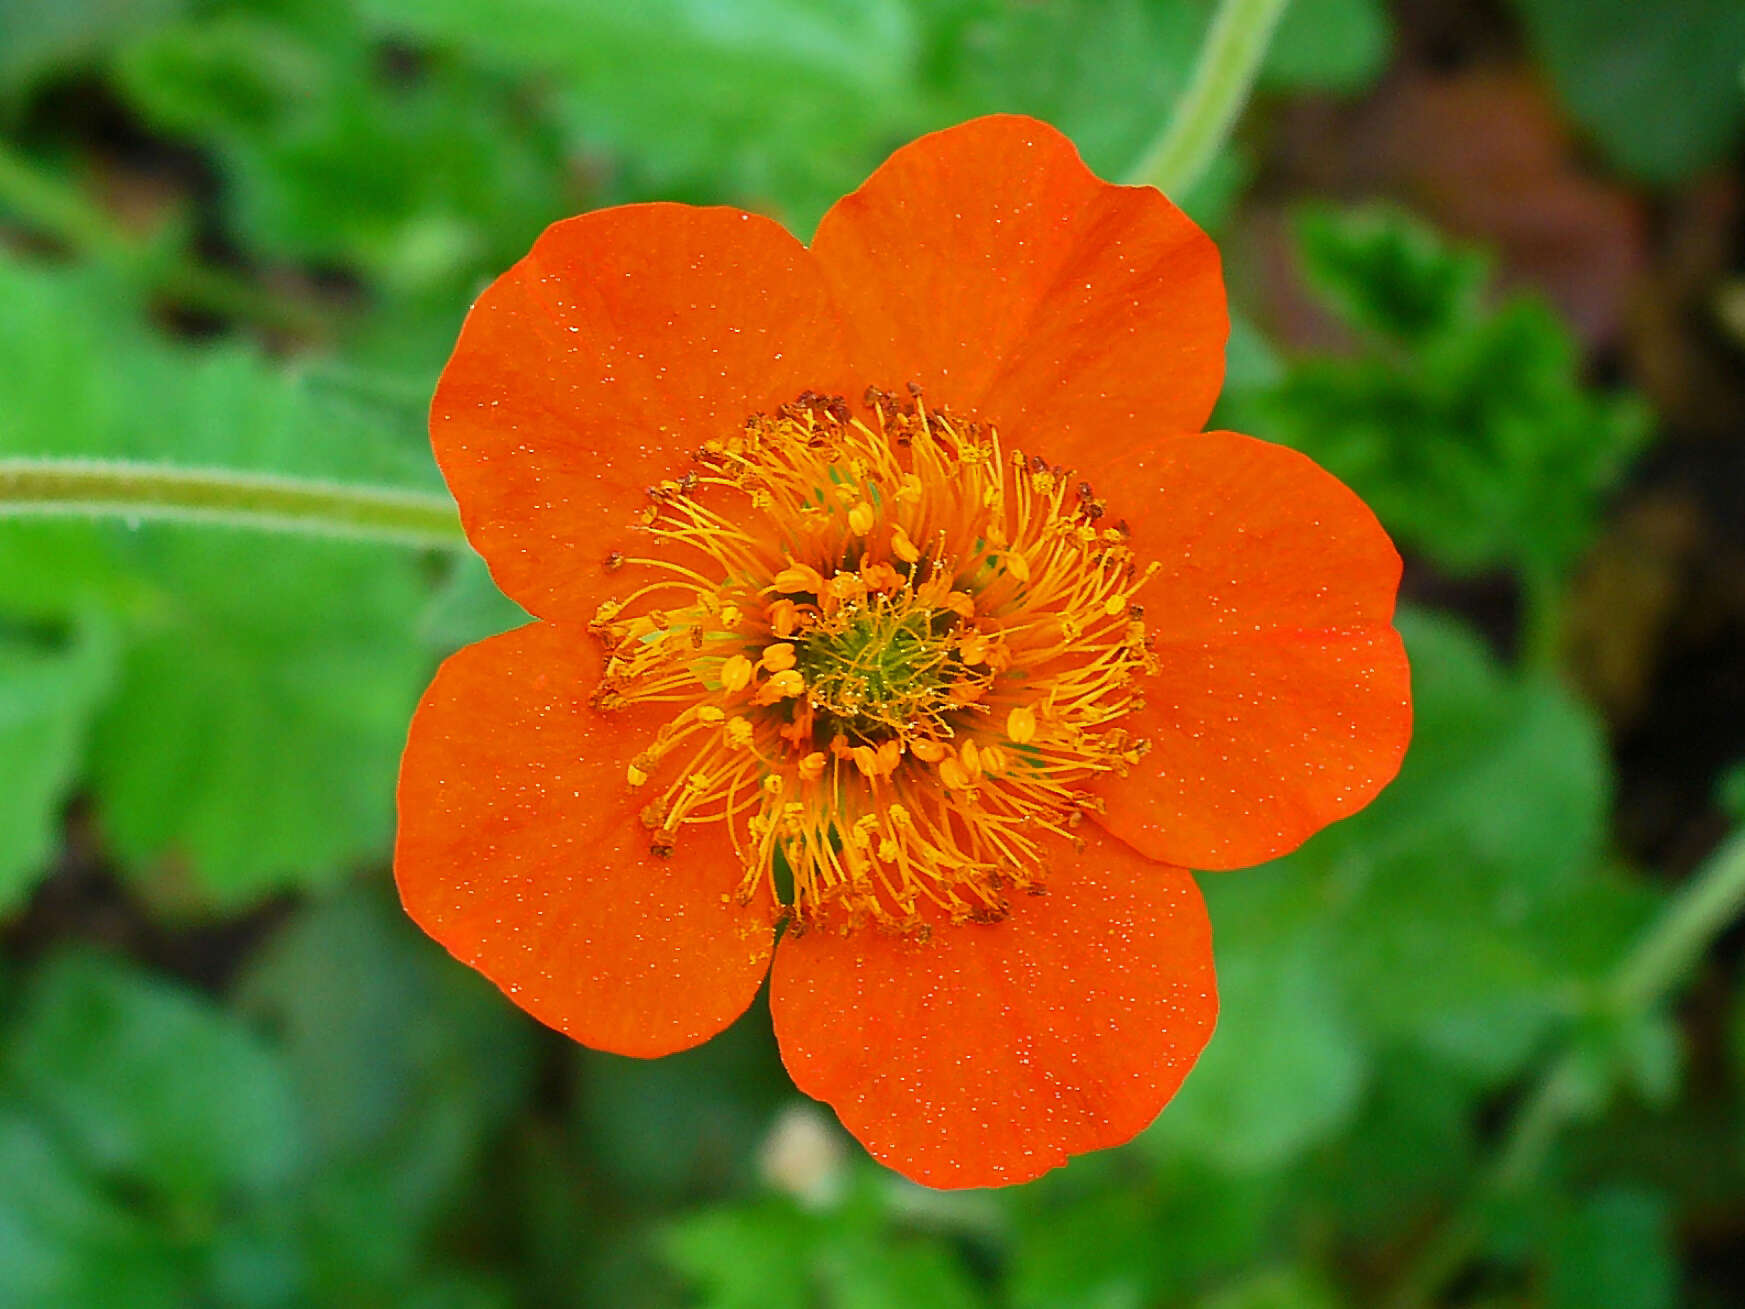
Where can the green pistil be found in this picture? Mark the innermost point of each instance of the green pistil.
(875, 671)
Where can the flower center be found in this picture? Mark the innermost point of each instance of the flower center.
(895, 653)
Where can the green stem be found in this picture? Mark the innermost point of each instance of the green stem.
(47, 205)
(1222, 78)
(1704, 907)
(130, 491)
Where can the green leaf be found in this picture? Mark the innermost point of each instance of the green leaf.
(1467, 429)
(468, 607)
(784, 101)
(1656, 84)
(1284, 1068)
(666, 1127)
(1328, 45)
(404, 1062)
(747, 1257)
(151, 1085)
(38, 41)
(1473, 903)
(64, 1242)
(265, 682)
(1614, 1252)
(424, 181)
(1104, 1237)
(50, 680)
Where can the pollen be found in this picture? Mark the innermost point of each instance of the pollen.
(878, 610)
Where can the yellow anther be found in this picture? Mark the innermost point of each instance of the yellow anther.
(973, 648)
(928, 752)
(778, 657)
(786, 684)
(898, 815)
(812, 766)
(954, 775)
(710, 714)
(795, 578)
(994, 761)
(1114, 606)
(860, 519)
(772, 784)
(736, 674)
(1021, 725)
(738, 732)
(887, 850)
(909, 489)
(971, 758)
(784, 617)
(1018, 565)
(960, 603)
(903, 547)
(698, 782)
(730, 615)
(635, 776)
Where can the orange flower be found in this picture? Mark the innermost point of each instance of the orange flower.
(890, 597)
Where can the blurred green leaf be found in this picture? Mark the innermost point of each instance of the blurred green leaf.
(1328, 45)
(1284, 1068)
(63, 1241)
(1277, 1288)
(1614, 1252)
(265, 682)
(468, 607)
(405, 1064)
(746, 1257)
(1656, 84)
(1467, 429)
(783, 103)
(150, 1085)
(1099, 1236)
(430, 174)
(667, 1127)
(38, 40)
(1472, 900)
(50, 680)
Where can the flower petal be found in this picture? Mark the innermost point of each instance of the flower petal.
(521, 850)
(988, 1054)
(1283, 701)
(989, 265)
(592, 368)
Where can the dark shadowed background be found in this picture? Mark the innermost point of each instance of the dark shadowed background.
(1487, 263)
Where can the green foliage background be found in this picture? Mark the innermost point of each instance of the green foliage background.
(242, 234)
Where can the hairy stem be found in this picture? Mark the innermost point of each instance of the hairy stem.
(132, 492)
(1704, 907)
(1222, 78)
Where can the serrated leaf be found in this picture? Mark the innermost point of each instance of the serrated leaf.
(51, 679)
(1656, 84)
(1467, 429)
(152, 1086)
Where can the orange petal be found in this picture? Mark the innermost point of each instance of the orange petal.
(989, 265)
(521, 850)
(988, 1054)
(1284, 699)
(591, 369)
